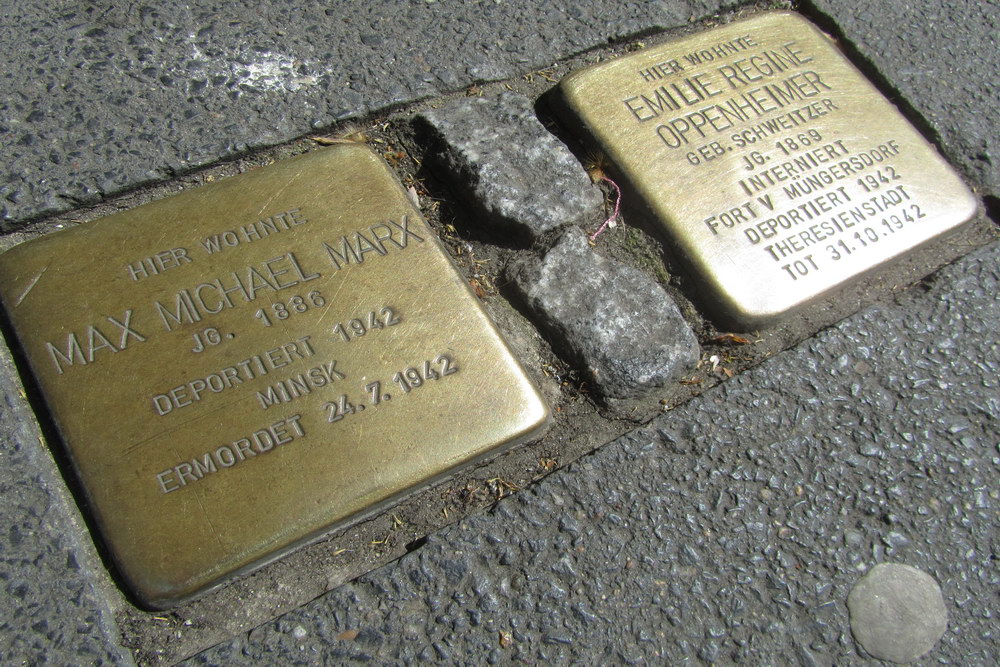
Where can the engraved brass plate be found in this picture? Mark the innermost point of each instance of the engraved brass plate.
(242, 367)
(773, 165)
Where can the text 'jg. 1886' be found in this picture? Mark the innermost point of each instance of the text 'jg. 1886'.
(245, 366)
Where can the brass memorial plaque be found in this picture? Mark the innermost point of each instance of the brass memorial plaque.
(773, 165)
(239, 368)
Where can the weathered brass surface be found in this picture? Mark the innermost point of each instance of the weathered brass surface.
(241, 367)
(773, 165)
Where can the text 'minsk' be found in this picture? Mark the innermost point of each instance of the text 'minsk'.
(242, 367)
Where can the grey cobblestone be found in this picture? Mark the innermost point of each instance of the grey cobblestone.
(510, 167)
(732, 529)
(97, 99)
(619, 325)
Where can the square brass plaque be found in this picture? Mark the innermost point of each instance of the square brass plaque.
(772, 164)
(242, 367)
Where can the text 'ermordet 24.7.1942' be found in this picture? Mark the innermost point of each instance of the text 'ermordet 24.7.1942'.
(240, 368)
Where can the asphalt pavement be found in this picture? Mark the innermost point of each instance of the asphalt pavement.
(728, 530)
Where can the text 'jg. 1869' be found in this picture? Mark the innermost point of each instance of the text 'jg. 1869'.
(775, 168)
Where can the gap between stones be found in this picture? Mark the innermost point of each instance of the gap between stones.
(581, 425)
(829, 25)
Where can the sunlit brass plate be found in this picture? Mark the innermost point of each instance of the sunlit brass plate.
(776, 169)
(242, 367)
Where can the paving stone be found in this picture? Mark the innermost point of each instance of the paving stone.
(941, 57)
(614, 320)
(897, 612)
(509, 167)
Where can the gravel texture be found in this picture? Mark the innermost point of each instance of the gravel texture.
(96, 98)
(51, 607)
(936, 56)
(732, 529)
(897, 612)
(621, 327)
(504, 162)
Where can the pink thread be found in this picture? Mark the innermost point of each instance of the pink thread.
(614, 215)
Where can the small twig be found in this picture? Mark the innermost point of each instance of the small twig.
(614, 215)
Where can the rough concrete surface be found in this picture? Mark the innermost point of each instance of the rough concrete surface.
(507, 165)
(937, 55)
(897, 612)
(733, 528)
(730, 530)
(98, 98)
(619, 325)
(51, 608)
